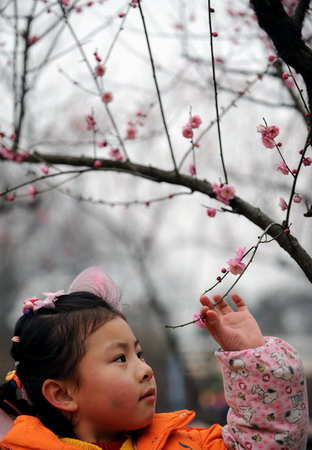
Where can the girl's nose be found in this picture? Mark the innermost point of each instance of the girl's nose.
(147, 372)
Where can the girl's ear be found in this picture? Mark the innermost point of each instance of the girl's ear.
(59, 395)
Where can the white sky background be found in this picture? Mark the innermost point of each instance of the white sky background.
(190, 248)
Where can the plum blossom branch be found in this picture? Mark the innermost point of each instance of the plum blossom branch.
(224, 111)
(262, 239)
(157, 88)
(95, 79)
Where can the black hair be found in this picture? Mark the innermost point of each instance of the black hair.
(51, 345)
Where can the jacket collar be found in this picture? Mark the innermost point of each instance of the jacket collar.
(37, 435)
(156, 434)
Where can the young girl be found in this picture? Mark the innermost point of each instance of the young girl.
(88, 386)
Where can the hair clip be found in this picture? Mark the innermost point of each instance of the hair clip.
(15, 339)
(31, 305)
(12, 378)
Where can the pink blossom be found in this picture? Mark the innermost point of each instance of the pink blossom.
(132, 132)
(282, 204)
(215, 34)
(107, 97)
(285, 76)
(297, 198)
(116, 154)
(97, 163)
(32, 191)
(90, 122)
(7, 154)
(271, 58)
(192, 170)
(195, 121)
(10, 198)
(44, 169)
(224, 192)
(65, 2)
(282, 167)
(236, 266)
(268, 135)
(267, 142)
(121, 14)
(99, 70)
(307, 161)
(199, 321)
(187, 132)
(211, 212)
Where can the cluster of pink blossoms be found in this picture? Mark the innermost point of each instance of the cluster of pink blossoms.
(268, 134)
(187, 130)
(236, 265)
(12, 156)
(225, 192)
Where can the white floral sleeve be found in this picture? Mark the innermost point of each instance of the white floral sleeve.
(265, 389)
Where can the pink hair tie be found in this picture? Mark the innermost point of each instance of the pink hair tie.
(31, 305)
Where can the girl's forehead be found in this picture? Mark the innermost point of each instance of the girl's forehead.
(116, 329)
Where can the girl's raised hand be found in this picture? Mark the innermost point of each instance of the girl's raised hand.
(233, 330)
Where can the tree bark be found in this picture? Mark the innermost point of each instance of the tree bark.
(286, 34)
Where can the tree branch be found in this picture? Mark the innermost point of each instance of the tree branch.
(239, 206)
(285, 33)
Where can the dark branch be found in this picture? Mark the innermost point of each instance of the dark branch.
(253, 214)
(285, 33)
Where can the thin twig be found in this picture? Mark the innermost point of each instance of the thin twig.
(215, 87)
(157, 88)
(293, 189)
(95, 80)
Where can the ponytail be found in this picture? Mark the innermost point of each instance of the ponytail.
(10, 401)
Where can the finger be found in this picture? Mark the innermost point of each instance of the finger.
(239, 302)
(205, 301)
(223, 306)
(206, 304)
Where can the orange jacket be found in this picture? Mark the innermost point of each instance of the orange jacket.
(167, 431)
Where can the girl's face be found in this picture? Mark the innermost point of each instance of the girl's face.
(117, 390)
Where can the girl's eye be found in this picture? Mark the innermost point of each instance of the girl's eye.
(121, 358)
(140, 355)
